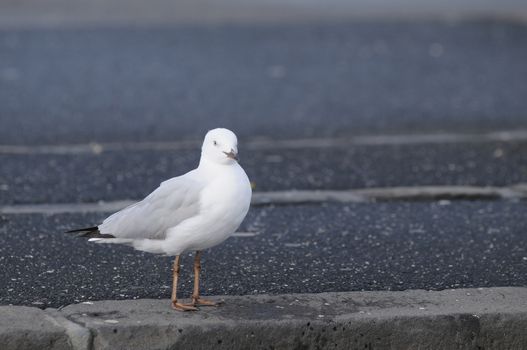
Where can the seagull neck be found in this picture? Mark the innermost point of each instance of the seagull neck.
(210, 166)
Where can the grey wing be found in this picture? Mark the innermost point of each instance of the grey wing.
(172, 202)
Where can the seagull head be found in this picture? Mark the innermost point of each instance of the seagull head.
(220, 146)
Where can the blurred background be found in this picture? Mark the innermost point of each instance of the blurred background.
(101, 100)
(119, 71)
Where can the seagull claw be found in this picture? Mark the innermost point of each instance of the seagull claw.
(183, 307)
(204, 302)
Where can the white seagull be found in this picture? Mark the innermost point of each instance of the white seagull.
(191, 212)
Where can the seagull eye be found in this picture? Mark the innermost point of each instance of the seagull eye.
(215, 143)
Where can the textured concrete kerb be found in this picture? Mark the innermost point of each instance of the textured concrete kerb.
(483, 318)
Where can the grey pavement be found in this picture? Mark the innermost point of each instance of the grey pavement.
(278, 81)
(117, 175)
(295, 249)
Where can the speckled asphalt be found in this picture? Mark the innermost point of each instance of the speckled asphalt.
(383, 246)
(132, 175)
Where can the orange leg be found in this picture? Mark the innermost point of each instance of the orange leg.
(196, 300)
(175, 276)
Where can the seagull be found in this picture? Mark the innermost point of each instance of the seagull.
(191, 212)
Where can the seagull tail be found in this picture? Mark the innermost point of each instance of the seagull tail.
(90, 232)
(94, 235)
(146, 245)
(105, 239)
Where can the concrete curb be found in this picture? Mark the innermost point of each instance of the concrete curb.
(483, 318)
(295, 197)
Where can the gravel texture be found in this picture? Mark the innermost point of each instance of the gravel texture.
(118, 175)
(297, 249)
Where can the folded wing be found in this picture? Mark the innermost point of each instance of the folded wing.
(174, 201)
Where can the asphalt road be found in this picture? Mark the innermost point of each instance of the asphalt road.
(384, 246)
(132, 175)
(280, 81)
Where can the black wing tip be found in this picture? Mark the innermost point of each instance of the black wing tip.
(86, 229)
(90, 232)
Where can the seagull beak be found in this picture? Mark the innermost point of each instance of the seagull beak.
(231, 155)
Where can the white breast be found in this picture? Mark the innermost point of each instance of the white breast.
(224, 204)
